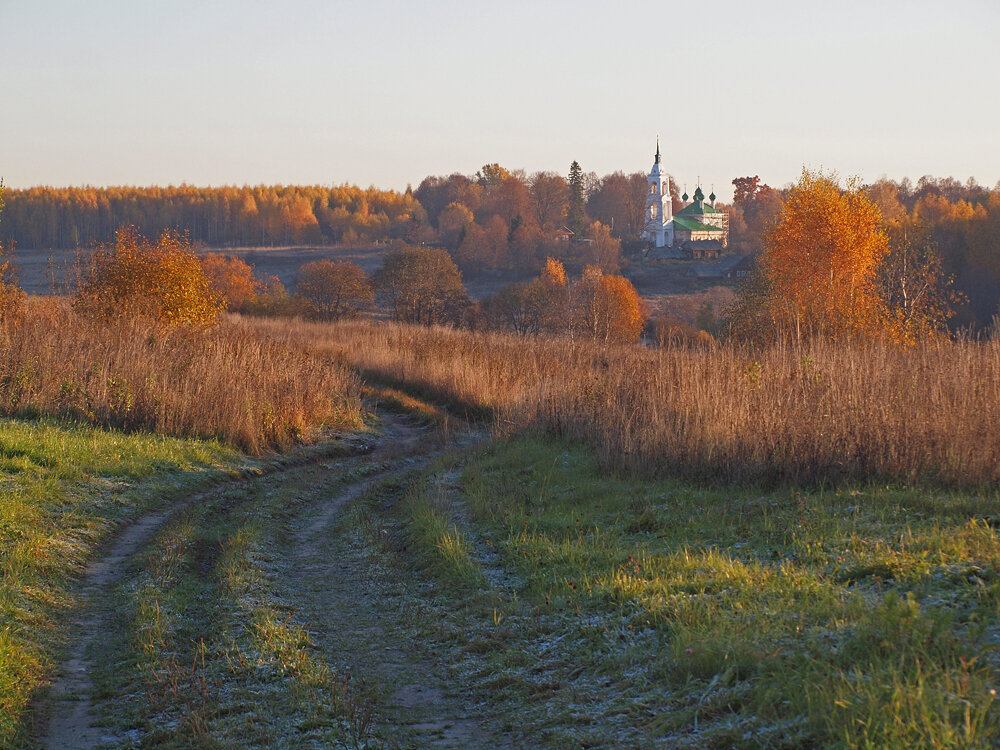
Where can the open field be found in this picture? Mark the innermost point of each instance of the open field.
(42, 271)
(517, 596)
(38, 269)
(816, 413)
(226, 383)
(666, 290)
(702, 548)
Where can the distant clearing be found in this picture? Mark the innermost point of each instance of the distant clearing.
(666, 289)
(36, 267)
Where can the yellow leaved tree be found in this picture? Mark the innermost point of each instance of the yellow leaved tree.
(821, 259)
(607, 307)
(135, 278)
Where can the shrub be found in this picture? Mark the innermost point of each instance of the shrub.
(422, 285)
(335, 289)
(135, 278)
(232, 279)
(11, 296)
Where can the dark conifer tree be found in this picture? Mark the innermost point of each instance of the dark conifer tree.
(577, 215)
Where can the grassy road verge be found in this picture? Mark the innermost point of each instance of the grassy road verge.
(63, 490)
(597, 611)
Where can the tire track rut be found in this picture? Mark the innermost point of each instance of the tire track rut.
(65, 716)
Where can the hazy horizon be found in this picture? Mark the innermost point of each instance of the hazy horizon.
(385, 94)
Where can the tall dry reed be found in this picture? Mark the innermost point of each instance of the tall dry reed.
(813, 413)
(229, 383)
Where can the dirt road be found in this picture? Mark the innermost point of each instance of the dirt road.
(324, 578)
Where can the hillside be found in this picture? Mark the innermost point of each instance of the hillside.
(501, 560)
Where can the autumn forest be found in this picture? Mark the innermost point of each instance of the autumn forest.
(503, 222)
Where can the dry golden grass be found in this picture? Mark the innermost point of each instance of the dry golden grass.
(227, 383)
(814, 413)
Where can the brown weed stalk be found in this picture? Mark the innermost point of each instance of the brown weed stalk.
(228, 383)
(816, 412)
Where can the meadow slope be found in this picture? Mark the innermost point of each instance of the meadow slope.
(718, 547)
(813, 413)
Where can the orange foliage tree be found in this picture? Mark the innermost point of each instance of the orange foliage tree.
(453, 223)
(136, 278)
(608, 307)
(556, 286)
(532, 307)
(603, 250)
(335, 289)
(11, 296)
(50, 217)
(232, 278)
(821, 258)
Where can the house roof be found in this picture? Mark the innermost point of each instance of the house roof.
(732, 261)
(667, 253)
(691, 225)
(692, 209)
(692, 245)
(720, 267)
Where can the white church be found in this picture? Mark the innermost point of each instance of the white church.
(699, 230)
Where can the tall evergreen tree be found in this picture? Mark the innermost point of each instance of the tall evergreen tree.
(577, 215)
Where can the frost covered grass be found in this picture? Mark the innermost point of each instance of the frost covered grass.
(444, 546)
(639, 612)
(63, 490)
(206, 652)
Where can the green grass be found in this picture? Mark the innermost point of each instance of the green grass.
(444, 546)
(63, 489)
(654, 612)
(580, 608)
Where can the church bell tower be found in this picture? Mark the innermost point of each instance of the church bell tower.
(659, 226)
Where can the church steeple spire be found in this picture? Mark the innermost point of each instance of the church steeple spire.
(659, 224)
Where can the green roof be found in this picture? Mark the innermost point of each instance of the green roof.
(690, 225)
(692, 209)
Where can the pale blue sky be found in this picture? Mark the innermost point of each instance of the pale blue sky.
(376, 92)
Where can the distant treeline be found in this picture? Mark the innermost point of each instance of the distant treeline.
(49, 218)
(501, 221)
